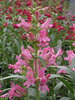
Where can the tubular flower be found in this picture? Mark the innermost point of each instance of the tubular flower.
(25, 26)
(26, 54)
(45, 24)
(43, 79)
(70, 55)
(15, 90)
(62, 71)
(17, 67)
(29, 76)
(49, 55)
(42, 39)
(73, 44)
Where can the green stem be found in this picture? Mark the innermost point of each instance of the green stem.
(26, 97)
(35, 48)
(37, 94)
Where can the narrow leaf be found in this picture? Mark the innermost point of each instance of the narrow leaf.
(67, 85)
(54, 76)
(42, 61)
(73, 62)
(12, 76)
(58, 86)
(64, 98)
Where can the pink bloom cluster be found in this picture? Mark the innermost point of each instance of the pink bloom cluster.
(43, 79)
(15, 90)
(49, 55)
(28, 62)
(42, 37)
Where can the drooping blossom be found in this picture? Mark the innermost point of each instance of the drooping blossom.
(17, 67)
(73, 69)
(25, 53)
(62, 71)
(30, 48)
(52, 60)
(43, 79)
(30, 36)
(73, 44)
(42, 39)
(30, 79)
(70, 55)
(45, 24)
(25, 26)
(15, 91)
(49, 56)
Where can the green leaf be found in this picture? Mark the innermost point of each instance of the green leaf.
(54, 76)
(64, 98)
(12, 76)
(42, 61)
(58, 86)
(62, 80)
(67, 85)
(6, 89)
(17, 45)
(68, 70)
(73, 62)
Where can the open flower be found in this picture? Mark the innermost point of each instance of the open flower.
(49, 56)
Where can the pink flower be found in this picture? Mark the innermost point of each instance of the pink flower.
(59, 53)
(15, 90)
(41, 73)
(25, 26)
(45, 53)
(43, 79)
(4, 95)
(46, 24)
(30, 80)
(74, 26)
(0, 90)
(30, 36)
(49, 56)
(73, 69)
(25, 53)
(62, 71)
(30, 48)
(43, 86)
(43, 38)
(73, 44)
(50, 25)
(17, 67)
(70, 56)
